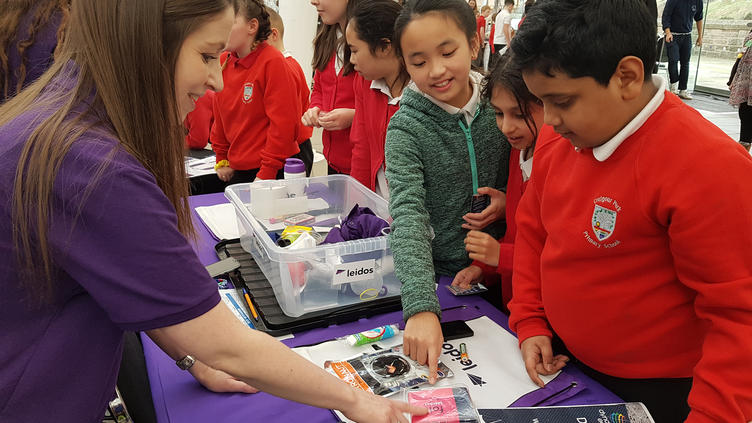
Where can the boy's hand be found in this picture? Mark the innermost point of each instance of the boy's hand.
(699, 41)
(336, 119)
(482, 247)
(219, 381)
(225, 173)
(423, 340)
(538, 358)
(492, 213)
(311, 117)
(669, 36)
(370, 408)
(468, 276)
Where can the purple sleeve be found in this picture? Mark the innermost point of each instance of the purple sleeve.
(124, 247)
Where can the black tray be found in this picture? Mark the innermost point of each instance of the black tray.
(271, 318)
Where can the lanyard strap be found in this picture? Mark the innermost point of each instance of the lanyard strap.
(471, 150)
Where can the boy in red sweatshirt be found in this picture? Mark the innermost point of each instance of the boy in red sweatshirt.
(633, 233)
(256, 114)
(276, 40)
(198, 123)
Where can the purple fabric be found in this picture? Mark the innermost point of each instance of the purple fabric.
(64, 358)
(360, 223)
(38, 55)
(178, 398)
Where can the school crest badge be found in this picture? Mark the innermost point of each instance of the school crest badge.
(604, 222)
(247, 92)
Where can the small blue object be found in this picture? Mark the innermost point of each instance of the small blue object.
(240, 310)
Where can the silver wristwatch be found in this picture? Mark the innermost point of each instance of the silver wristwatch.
(186, 362)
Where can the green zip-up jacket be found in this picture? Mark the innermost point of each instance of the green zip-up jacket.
(430, 185)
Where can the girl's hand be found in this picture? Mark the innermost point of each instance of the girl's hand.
(468, 276)
(311, 117)
(423, 340)
(538, 358)
(370, 408)
(219, 381)
(225, 173)
(482, 247)
(336, 119)
(492, 213)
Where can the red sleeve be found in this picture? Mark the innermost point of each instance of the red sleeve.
(481, 24)
(220, 145)
(527, 315)
(199, 122)
(360, 167)
(317, 97)
(282, 107)
(710, 234)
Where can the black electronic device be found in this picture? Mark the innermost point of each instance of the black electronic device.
(455, 329)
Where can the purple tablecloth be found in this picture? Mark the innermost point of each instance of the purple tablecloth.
(179, 398)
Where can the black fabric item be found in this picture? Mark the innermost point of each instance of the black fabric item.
(665, 398)
(133, 381)
(745, 118)
(306, 154)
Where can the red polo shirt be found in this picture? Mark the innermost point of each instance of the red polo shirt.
(199, 122)
(256, 114)
(304, 132)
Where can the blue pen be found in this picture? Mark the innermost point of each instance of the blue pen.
(240, 311)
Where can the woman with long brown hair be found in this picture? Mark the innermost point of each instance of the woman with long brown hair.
(30, 31)
(95, 221)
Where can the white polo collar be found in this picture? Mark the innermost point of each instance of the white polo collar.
(468, 111)
(605, 150)
(380, 84)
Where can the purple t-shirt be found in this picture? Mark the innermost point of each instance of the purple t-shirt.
(122, 265)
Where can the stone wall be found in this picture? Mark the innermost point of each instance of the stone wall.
(723, 38)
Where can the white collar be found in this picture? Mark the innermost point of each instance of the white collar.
(526, 165)
(380, 84)
(605, 150)
(339, 62)
(468, 111)
(287, 53)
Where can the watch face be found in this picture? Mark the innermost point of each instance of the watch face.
(186, 362)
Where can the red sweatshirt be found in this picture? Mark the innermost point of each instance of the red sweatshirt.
(641, 263)
(304, 132)
(515, 188)
(257, 112)
(199, 122)
(368, 131)
(334, 91)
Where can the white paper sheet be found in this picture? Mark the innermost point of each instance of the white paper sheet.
(496, 376)
(221, 220)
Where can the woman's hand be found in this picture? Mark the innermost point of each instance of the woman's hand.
(482, 247)
(219, 381)
(370, 408)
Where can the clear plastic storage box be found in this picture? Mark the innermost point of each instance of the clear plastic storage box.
(323, 276)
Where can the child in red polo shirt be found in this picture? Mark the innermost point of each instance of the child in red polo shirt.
(378, 88)
(276, 40)
(519, 114)
(633, 233)
(332, 100)
(256, 114)
(198, 123)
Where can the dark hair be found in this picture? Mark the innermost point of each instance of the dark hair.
(507, 74)
(457, 10)
(585, 37)
(254, 9)
(327, 42)
(373, 20)
(506, 2)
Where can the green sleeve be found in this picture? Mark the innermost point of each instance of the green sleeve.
(410, 240)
